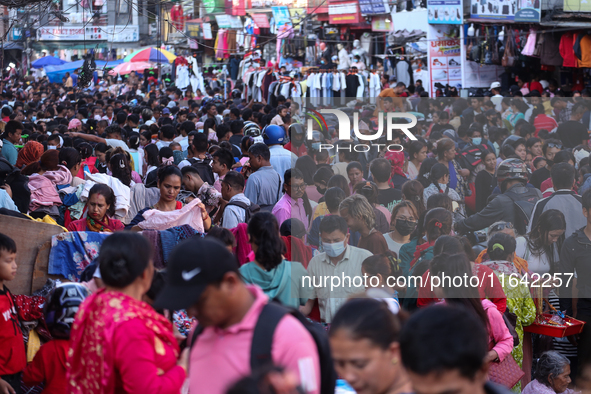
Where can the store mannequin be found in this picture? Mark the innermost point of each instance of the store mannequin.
(359, 51)
(324, 51)
(344, 61)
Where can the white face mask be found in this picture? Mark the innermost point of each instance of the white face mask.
(51, 147)
(334, 249)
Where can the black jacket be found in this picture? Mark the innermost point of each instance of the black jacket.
(575, 256)
(501, 208)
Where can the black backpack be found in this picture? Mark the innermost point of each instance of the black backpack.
(204, 169)
(262, 343)
(523, 212)
(249, 210)
(472, 155)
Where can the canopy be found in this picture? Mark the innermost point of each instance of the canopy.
(47, 61)
(56, 73)
(150, 55)
(126, 68)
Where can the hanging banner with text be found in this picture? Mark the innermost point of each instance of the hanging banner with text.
(445, 60)
(511, 10)
(445, 12)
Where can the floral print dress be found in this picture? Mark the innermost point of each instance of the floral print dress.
(519, 301)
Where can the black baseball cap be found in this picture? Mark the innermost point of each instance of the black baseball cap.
(193, 265)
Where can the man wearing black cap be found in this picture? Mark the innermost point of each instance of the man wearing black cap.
(211, 290)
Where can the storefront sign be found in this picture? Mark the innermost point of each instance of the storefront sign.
(207, 31)
(16, 33)
(381, 23)
(261, 20)
(213, 6)
(445, 12)
(235, 7)
(344, 13)
(90, 33)
(282, 16)
(278, 3)
(445, 60)
(512, 10)
(317, 7)
(297, 14)
(373, 7)
(577, 6)
(228, 22)
(193, 29)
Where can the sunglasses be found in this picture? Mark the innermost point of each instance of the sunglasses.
(501, 226)
(553, 145)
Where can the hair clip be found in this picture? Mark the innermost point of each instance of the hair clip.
(438, 224)
(498, 246)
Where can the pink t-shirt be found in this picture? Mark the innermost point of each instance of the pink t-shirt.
(222, 356)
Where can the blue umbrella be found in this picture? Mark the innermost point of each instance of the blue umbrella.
(47, 61)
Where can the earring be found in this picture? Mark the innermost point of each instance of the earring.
(395, 360)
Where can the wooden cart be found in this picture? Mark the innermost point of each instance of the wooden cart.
(33, 243)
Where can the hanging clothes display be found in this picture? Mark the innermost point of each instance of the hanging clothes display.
(352, 85)
(566, 50)
(375, 86)
(550, 55)
(231, 43)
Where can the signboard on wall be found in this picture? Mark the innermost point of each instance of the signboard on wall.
(261, 20)
(213, 6)
(577, 6)
(344, 13)
(445, 12)
(506, 10)
(193, 29)
(445, 59)
(282, 16)
(374, 7)
(116, 33)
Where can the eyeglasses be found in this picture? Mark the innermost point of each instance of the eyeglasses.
(500, 227)
(298, 187)
(553, 145)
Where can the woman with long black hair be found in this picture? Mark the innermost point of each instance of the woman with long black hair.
(279, 278)
(542, 245)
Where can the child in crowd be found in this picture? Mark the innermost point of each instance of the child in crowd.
(13, 358)
(49, 365)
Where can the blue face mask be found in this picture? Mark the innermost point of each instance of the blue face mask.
(334, 249)
(33, 118)
(316, 146)
(477, 141)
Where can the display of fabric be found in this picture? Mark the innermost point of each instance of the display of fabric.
(72, 252)
(189, 214)
(567, 42)
(550, 51)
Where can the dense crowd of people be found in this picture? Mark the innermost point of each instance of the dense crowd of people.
(491, 188)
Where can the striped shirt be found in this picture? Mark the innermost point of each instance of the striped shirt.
(320, 267)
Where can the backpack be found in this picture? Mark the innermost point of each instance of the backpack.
(523, 212)
(249, 210)
(472, 155)
(262, 343)
(204, 169)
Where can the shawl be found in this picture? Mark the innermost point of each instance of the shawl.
(419, 251)
(30, 153)
(108, 225)
(519, 263)
(91, 365)
(396, 159)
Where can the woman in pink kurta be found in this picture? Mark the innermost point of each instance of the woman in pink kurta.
(466, 294)
(119, 344)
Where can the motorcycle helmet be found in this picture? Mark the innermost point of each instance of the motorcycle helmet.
(273, 134)
(251, 129)
(61, 308)
(509, 170)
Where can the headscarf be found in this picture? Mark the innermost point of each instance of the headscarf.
(91, 359)
(30, 153)
(396, 159)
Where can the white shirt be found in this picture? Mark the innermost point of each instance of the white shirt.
(117, 144)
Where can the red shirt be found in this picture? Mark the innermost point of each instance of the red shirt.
(13, 358)
(543, 121)
(49, 367)
(299, 152)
